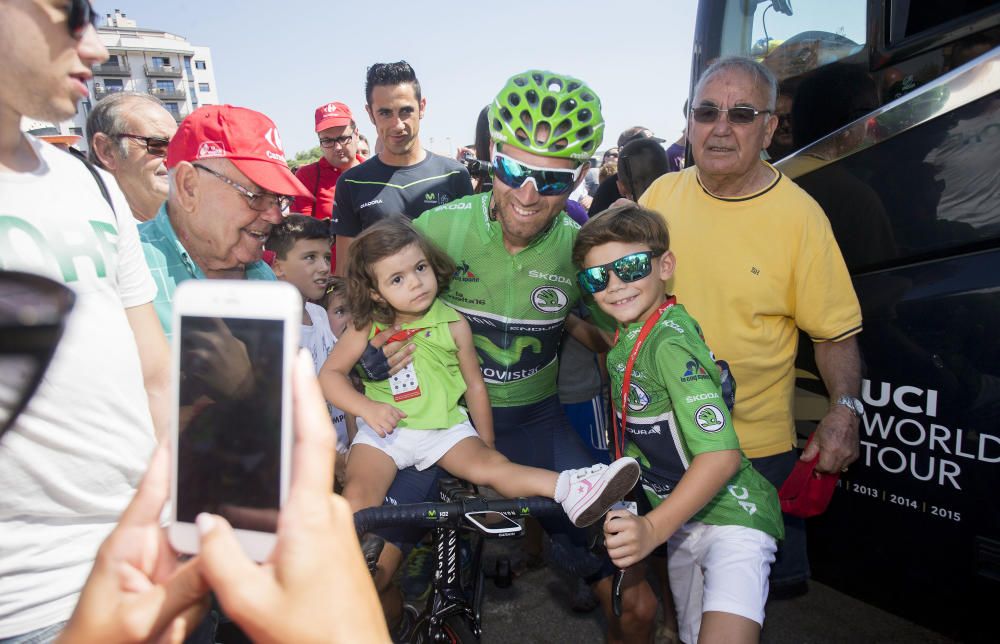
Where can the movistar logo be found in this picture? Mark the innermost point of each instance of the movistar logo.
(510, 355)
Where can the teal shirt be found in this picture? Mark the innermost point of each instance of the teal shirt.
(170, 264)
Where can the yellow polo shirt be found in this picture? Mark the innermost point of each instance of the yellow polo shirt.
(752, 271)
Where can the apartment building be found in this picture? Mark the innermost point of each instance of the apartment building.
(152, 61)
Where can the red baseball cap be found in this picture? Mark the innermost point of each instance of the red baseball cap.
(806, 492)
(247, 138)
(332, 115)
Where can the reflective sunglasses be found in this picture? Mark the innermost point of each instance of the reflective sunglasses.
(258, 201)
(740, 115)
(549, 182)
(33, 312)
(329, 142)
(80, 14)
(628, 269)
(154, 145)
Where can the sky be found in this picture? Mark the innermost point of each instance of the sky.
(285, 58)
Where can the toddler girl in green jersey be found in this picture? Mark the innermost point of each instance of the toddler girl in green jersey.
(394, 275)
(719, 517)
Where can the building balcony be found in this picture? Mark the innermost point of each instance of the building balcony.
(163, 71)
(100, 91)
(120, 68)
(163, 94)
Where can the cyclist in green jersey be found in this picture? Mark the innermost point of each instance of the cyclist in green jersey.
(515, 284)
(718, 516)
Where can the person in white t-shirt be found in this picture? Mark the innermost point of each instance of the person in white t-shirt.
(73, 458)
(301, 247)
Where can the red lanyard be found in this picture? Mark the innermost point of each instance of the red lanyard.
(401, 336)
(619, 431)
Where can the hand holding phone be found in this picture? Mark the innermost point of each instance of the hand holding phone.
(317, 586)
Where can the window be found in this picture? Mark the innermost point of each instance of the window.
(200, 64)
(173, 108)
(76, 130)
(908, 18)
(792, 42)
(203, 87)
(114, 85)
(164, 85)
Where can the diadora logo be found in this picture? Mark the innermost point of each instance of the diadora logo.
(464, 274)
(710, 418)
(373, 202)
(550, 277)
(272, 137)
(210, 149)
(638, 399)
(694, 371)
(548, 299)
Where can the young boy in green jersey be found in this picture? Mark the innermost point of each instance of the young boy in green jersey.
(719, 518)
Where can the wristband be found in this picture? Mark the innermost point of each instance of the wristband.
(374, 363)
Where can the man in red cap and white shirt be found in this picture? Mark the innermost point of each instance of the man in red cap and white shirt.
(229, 184)
(338, 140)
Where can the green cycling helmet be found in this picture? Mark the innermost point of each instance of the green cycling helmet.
(548, 114)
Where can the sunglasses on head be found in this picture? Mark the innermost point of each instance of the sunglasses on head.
(549, 182)
(80, 15)
(628, 269)
(740, 115)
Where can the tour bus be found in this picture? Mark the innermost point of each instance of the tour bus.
(889, 116)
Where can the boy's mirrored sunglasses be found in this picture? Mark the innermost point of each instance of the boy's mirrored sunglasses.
(628, 269)
(549, 182)
(740, 115)
(80, 15)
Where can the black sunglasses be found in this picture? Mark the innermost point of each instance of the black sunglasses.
(155, 145)
(740, 115)
(80, 14)
(33, 312)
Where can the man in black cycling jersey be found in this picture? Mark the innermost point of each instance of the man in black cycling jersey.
(516, 285)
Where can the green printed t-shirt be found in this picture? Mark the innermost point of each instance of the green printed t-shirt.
(675, 412)
(434, 403)
(515, 303)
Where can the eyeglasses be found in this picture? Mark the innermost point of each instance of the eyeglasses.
(80, 15)
(330, 142)
(628, 269)
(260, 202)
(154, 145)
(549, 182)
(611, 154)
(33, 312)
(740, 115)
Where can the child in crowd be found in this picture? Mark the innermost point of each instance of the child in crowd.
(719, 517)
(334, 301)
(394, 276)
(301, 247)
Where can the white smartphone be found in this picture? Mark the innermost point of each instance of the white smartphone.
(493, 523)
(234, 343)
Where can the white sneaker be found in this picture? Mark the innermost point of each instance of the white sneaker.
(593, 490)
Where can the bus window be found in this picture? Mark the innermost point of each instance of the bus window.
(794, 40)
(908, 18)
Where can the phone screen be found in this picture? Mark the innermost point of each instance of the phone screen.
(229, 446)
(491, 520)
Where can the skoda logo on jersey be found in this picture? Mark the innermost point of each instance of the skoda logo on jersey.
(710, 418)
(548, 299)
(637, 398)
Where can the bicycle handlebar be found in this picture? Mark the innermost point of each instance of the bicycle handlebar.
(431, 515)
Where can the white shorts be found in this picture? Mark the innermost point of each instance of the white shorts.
(417, 447)
(718, 568)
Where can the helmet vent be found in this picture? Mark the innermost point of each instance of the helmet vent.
(514, 99)
(555, 85)
(537, 78)
(497, 126)
(584, 115)
(526, 119)
(522, 137)
(585, 132)
(567, 106)
(506, 115)
(562, 128)
(587, 96)
(532, 97)
(588, 145)
(561, 144)
(548, 106)
(573, 86)
(520, 81)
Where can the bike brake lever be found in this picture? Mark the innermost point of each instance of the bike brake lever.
(616, 592)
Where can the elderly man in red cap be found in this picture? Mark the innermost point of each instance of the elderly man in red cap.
(338, 140)
(229, 184)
